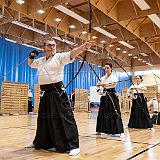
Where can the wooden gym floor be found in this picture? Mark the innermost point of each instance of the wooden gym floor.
(18, 131)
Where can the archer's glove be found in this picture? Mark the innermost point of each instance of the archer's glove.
(33, 54)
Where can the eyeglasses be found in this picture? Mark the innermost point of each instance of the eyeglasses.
(51, 45)
(107, 68)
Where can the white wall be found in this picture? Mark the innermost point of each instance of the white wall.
(148, 78)
(147, 74)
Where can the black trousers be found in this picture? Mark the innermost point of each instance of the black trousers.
(139, 117)
(109, 119)
(29, 105)
(56, 126)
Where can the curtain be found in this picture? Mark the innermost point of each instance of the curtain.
(14, 63)
(85, 78)
(14, 67)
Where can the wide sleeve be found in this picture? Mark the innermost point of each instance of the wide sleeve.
(64, 57)
(143, 86)
(114, 79)
(100, 82)
(36, 63)
(129, 89)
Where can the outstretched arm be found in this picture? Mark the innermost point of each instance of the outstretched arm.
(76, 51)
(30, 61)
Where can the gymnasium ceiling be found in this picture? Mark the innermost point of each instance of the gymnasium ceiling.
(122, 18)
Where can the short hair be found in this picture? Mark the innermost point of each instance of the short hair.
(51, 39)
(140, 77)
(109, 65)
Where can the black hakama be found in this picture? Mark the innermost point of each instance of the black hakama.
(139, 117)
(109, 119)
(29, 104)
(56, 126)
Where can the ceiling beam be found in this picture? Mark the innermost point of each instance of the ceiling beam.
(126, 13)
(49, 20)
(147, 30)
(157, 46)
(2, 2)
(17, 7)
(102, 6)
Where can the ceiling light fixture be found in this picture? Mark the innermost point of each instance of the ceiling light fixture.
(126, 44)
(155, 19)
(104, 32)
(10, 40)
(1, 16)
(149, 64)
(57, 19)
(18, 23)
(135, 57)
(118, 49)
(28, 45)
(65, 40)
(93, 51)
(72, 26)
(103, 41)
(20, 1)
(40, 11)
(110, 45)
(129, 54)
(72, 14)
(144, 54)
(124, 52)
(142, 4)
(84, 32)
(94, 37)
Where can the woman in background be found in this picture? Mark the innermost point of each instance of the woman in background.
(139, 117)
(30, 95)
(109, 119)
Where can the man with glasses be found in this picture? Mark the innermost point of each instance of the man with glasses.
(56, 126)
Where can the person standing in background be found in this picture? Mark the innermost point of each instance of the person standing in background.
(72, 99)
(30, 95)
(139, 117)
(109, 119)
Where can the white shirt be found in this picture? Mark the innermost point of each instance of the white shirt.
(30, 93)
(141, 86)
(51, 70)
(112, 79)
(154, 103)
(109, 80)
